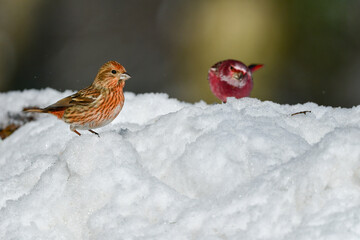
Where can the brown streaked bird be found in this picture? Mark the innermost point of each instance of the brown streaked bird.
(94, 106)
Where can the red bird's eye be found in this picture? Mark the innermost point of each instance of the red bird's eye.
(113, 71)
(231, 68)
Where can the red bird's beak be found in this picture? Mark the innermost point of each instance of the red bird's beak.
(254, 67)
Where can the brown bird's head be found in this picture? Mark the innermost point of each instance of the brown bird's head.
(111, 74)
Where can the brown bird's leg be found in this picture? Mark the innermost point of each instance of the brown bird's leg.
(76, 132)
(94, 132)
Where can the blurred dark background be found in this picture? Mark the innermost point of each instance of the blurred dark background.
(311, 49)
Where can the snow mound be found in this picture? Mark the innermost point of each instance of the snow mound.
(165, 169)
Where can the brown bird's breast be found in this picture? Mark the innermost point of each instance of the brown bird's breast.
(97, 114)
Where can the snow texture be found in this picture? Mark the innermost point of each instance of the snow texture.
(165, 169)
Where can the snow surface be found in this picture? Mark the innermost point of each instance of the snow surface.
(165, 169)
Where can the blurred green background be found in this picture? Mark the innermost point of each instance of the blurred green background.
(310, 48)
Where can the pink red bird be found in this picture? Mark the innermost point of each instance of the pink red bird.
(231, 78)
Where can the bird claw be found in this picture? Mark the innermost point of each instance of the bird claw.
(94, 132)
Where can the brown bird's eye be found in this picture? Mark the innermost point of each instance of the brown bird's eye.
(113, 72)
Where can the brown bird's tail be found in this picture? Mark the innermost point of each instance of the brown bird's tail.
(40, 110)
(57, 112)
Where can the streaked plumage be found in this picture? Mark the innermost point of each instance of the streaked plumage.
(94, 106)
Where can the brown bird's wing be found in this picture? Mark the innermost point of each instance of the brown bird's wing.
(83, 97)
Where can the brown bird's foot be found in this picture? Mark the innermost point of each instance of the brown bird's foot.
(94, 132)
(302, 112)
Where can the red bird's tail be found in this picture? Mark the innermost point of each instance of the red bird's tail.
(254, 67)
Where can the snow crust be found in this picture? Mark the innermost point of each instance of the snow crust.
(166, 169)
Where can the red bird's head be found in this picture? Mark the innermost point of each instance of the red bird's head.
(231, 78)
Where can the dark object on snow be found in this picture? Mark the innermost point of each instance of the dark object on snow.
(8, 130)
(15, 120)
(303, 112)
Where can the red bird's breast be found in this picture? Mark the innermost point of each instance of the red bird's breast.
(223, 90)
(231, 78)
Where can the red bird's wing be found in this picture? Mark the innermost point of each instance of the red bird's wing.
(215, 67)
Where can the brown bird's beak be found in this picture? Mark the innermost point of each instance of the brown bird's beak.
(125, 76)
